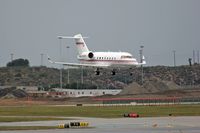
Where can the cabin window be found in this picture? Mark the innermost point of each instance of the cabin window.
(82, 92)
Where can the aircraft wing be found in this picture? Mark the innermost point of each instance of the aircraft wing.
(77, 64)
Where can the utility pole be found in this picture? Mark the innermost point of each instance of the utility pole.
(82, 75)
(174, 53)
(141, 60)
(11, 56)
(68, 67)
(42, 55)
(198, 56)
(194, 57)
(60, 42)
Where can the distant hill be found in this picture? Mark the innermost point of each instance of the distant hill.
(157, 78)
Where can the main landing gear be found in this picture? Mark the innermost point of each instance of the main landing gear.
(113, 72)
(97, 72)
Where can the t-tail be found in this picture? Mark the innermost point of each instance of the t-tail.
(80, 44)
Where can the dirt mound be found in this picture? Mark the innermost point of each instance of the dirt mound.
(132, 89)
(171, 85)
(153, 85)
(12, 92)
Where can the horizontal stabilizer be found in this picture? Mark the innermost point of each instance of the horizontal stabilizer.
(70, 37)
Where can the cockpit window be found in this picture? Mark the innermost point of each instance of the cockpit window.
(126, 57)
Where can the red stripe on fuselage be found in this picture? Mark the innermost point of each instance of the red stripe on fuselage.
(130, 61)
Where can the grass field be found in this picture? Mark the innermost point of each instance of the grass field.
(106, 111)
(29, 118)
(4, 128)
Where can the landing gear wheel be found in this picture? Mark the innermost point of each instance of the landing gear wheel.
(113, 72)
(97, 72)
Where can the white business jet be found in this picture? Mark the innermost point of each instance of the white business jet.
(100, 60)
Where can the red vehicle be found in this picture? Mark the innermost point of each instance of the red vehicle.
(134, 115)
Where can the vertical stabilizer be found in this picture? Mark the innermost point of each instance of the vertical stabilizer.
(80, 44)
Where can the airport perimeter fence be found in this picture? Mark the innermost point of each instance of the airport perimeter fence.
(150, 101)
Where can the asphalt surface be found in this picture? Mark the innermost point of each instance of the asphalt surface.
(118, 125)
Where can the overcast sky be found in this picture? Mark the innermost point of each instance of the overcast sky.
(30, 27)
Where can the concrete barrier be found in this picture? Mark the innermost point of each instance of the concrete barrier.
(73, 125)
(61, 126)
(84, 124)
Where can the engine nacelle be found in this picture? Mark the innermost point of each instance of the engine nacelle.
(90, 55)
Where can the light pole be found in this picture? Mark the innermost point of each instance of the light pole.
(82, 75)
(141, 61)
(174, 53)
(60, 42)
(68, 67)
(41, 58)
(198, 56)
(11, 56)
(194, 57)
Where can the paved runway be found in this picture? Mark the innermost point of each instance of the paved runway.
(120, 125)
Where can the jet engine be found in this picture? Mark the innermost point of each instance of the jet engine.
(90, 55)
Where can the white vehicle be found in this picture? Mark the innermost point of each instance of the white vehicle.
(100, 60)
